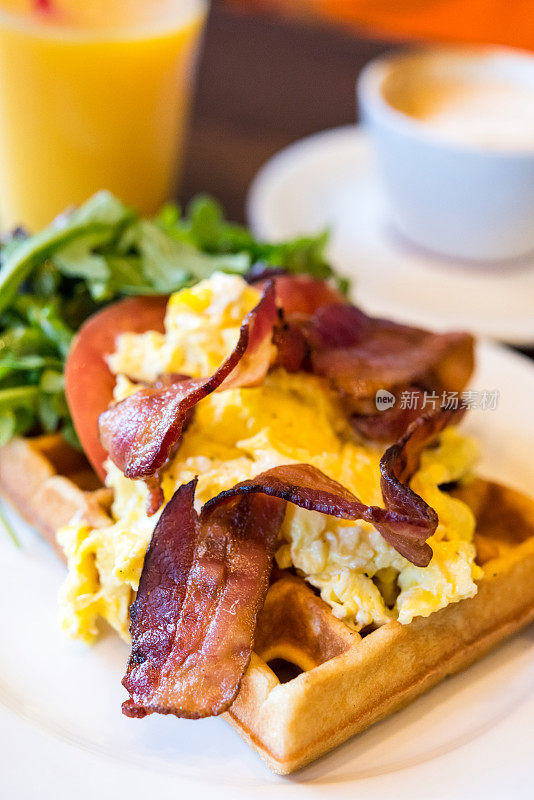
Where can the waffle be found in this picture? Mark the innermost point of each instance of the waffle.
(311, 682)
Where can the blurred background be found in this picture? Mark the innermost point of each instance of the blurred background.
(273, 71)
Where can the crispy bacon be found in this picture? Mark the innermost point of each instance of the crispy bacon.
(390, 424)
(303, 295)
(397, 466)
(360, 355)
(203, 585)
(205, 576)
(141, 432)
(308, 487)
(406, 522)
(401, 460)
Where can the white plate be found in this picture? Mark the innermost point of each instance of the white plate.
(63, 735)
(330, 180)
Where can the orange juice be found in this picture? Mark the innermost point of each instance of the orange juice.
(93, 94)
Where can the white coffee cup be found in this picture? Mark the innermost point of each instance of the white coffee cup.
(459, 182)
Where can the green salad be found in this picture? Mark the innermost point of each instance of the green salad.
(52, 281)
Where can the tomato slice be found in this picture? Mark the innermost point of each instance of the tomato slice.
(88, 380)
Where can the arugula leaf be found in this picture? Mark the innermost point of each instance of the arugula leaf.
(102, 213)
(205, 227)
(169, 264)
(208, 230)
(46, 317)
(77, 259)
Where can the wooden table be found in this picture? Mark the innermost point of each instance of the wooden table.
(264, 83)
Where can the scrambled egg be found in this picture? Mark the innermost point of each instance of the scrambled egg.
(237, 433)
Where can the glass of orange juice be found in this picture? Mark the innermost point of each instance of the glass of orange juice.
(94, 94)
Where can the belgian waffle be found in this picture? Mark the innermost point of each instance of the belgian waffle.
(311, 682)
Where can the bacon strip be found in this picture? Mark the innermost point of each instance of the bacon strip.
(308, 487)
(390, 424)
(360, 355)
(397, 466)
(141, 432)
(303, 295)
(203, 585)
(406, 522)
(205, 576)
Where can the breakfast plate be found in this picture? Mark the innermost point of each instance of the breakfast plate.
(330, 180)
(64, 735)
